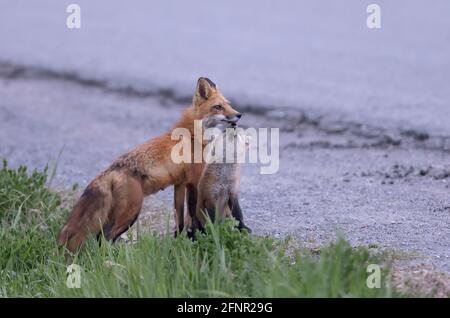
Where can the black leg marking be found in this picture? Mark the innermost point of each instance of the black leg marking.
(236, 212)
(192, 208)
(212, 214)
(192, 200)
(179, 196)
(178, 230)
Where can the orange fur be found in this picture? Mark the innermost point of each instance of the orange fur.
(112, 201)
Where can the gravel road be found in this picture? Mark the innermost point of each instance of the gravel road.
(363, 114)
(375, 187)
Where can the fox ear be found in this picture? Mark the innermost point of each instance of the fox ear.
(204, 90)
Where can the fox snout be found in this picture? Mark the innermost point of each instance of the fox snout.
(233, 119)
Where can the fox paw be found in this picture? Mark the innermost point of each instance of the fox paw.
(245, 228)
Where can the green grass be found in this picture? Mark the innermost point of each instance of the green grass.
(223, 263)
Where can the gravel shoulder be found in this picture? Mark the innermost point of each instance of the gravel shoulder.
(377, 187)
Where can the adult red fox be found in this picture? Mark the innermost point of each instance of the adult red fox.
(112, 201)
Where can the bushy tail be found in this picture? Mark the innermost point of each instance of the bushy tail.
(88, 216)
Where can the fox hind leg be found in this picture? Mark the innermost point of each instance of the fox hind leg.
(128, 199)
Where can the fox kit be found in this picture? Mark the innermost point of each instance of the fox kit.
(112, 201)
(218, 187)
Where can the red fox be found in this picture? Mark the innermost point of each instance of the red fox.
(112, 201)
(218, 186)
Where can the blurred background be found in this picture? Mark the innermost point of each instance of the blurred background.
(363, 113)
(315, 55)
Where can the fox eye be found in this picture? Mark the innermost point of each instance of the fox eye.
(218, 107)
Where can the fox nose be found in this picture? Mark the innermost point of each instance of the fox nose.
(234, 118)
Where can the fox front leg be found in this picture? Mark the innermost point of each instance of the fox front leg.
(179, 195)
(192, 194)
(236, 212)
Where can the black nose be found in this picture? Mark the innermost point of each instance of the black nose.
(239, 115)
